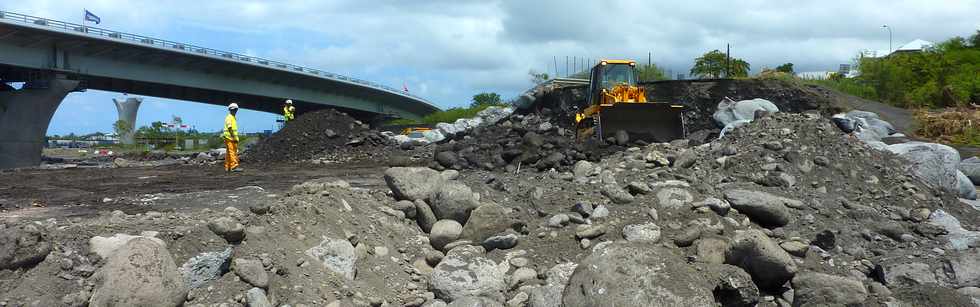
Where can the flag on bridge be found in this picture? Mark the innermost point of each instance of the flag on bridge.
(91, 17)
(405, 87)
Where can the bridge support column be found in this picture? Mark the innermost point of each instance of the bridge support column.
(24, 118)
(127, 113)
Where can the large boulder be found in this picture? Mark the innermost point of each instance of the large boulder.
(466, 272)
(106, 246)
(444, 232)
(933, 163)
(140, 273)
(764, 208)
(958, 238)
(486, 221)
(818, 289)
(336, 255)
(22, 247)
(769, 265)
(965, 186)
(412, 183)
(729, 111)
(631, 274)
(966, 268)
(453, 200)
(971, 168)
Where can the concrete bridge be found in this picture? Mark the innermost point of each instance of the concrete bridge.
(55, 58)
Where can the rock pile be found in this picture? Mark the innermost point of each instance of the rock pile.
(313, 133)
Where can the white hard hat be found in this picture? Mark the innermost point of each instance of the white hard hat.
(289, 101)
(232, 106)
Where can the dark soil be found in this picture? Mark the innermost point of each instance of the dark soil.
(313, 133)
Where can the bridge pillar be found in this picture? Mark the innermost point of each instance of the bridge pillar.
(127, 112)
(24, 118)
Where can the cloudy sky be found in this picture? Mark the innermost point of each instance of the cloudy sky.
(447, 51)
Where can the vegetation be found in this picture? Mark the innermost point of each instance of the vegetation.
(955, 126)
(480, 102)
(652, 72)
(946, 75)
(786, 68)
(122, 127)
(712, 65)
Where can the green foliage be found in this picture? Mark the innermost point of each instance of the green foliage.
(537, 77)
(786, 68)
(712, 65)
(485, 99)
(646, 73)
(122, 127)
(447, 116)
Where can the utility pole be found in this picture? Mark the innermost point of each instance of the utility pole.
(649, 59)
(554, 57)
(728, 60)
(889, 37)
(566, 66)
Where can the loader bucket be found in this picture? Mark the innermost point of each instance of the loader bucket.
(650, 122)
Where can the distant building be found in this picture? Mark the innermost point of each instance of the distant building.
(917, 45)
(814, 75)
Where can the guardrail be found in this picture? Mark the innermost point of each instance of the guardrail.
(192, 49)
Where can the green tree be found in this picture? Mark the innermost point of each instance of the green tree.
(122, 127)
(485, 99)
(786, 68)
(538, 77)
(712, 65)
(652, 72)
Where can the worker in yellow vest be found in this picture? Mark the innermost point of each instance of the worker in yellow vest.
(288, 111)
(230, 135)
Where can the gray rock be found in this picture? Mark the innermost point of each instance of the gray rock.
(337, 255)
(559, 274)
(674, 197)
(521, 276)
(447, 159)
(407, 207)
(22, 247)
(729, 111)
(934, 163)
(583, 208)
(488, 220)
(616, 194)
(583, 169)
(712, 249)
(958, 237)
(444, 232)
(507, 241)
(256, 298)
(717, 205)
(818, 289)
(769, 265)
(260, 209)
(649, 233)
(622, 137)
(252, 272)
(425, 218)
(140, 273)
(733, 286)
(412, 183)
(228, 228)
(630, 274)
(600, 212)
(466, 272)
(965, 186)
(637, 187)
(795, 248)
(558, 220)
(971, 168)
(908, 274)
(686, 159)
(205, 267)
(589, 231)
(966, 268)
(764, 208)
(545, 296)
(453, 200)
(433, 257)
(474, 301)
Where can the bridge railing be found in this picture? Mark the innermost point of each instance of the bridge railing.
(188, 48)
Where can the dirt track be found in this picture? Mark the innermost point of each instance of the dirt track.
(40, 193)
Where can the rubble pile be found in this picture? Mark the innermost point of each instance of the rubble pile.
(313, 133)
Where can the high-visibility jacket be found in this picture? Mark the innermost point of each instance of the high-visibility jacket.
(230, 130)
(289, 112)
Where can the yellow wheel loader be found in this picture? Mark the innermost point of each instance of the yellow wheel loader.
(616, 103)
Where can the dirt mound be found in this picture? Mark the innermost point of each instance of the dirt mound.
(313, 133)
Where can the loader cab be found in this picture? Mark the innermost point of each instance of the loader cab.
(609, 73)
